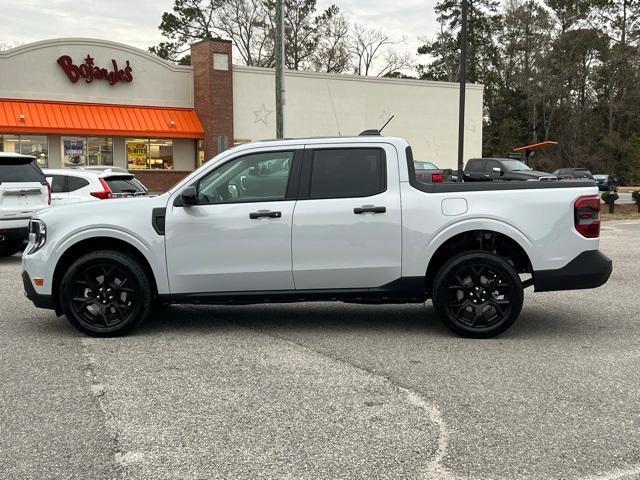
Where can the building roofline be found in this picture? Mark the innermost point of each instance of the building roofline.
(356, 78)
(54, 42)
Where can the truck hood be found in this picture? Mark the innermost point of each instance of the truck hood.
(527, 174)
(116, 211)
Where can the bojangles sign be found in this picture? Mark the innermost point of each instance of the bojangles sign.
(91, 72)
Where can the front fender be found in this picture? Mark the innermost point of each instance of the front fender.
(43, 263)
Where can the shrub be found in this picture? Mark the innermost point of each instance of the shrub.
(607, 195)
(636, 196)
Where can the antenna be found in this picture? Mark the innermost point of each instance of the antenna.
(333, 107)
(374, 132)
(386, 123)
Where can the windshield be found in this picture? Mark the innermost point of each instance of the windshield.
(600, 177)
(425, 166)
(514, 165)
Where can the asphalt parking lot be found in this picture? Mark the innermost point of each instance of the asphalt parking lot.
(329, 391)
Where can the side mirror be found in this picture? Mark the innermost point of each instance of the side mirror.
(189, 196)
(497, 170)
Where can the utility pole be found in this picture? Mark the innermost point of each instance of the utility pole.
(463, 87)
(280, 58)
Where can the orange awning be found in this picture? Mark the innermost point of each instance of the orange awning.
(30, 116)
(535, 146)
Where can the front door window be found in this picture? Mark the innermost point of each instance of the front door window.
(259, 177)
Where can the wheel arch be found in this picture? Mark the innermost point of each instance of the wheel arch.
(92, 244)
(504, 241)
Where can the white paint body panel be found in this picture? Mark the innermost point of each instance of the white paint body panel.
(218, 248)
(127, 219)
(335, 248)
(316, 244)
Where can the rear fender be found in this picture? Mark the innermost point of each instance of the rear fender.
(486, 224)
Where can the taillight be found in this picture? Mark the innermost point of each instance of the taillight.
(48, 191)
(587, 216)
(105, 194)
(437, 177)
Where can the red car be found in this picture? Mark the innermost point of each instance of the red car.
(427, 172)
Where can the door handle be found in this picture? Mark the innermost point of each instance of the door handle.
(369, 209)
(264, 213)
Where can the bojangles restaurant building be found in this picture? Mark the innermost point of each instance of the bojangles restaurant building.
(73, 102)
(77, 102)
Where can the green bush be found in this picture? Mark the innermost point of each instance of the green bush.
(636, 196)
(606, 195)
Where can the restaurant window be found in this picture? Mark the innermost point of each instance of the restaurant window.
(99, 151)
(80, 151)
(149, 154)
(35, 145)
(200, 152)
(74, 151)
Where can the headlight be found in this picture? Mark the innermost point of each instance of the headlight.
(37, 235)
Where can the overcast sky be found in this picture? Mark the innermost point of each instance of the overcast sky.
(135, 22)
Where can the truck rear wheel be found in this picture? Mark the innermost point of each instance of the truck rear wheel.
(105, 293)
(478, 294)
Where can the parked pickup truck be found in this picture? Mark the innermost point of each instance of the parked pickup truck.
(317, 219)
(502, 169)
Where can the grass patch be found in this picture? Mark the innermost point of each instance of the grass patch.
(622, 212)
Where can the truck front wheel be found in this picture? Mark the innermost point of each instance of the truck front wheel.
(105, 293)
(478, 294)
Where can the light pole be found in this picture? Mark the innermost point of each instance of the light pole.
(280, 58)
(463, 87)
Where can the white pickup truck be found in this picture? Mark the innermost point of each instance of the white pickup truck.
(317, 219)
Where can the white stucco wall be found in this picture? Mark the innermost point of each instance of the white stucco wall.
(31, 72)
(426, 113)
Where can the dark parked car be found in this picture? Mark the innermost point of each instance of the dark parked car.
(573, 173)
(606, 183)
(427, 172)
(488, 169)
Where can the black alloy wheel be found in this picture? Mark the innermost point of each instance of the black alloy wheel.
(478, 294)
(105, 293)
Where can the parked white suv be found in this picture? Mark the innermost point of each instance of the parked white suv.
(317, 219)
(23, 191)
(85, 185)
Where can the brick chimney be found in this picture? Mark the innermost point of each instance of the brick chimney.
(213, 92)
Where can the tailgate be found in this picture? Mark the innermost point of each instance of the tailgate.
(19, 198)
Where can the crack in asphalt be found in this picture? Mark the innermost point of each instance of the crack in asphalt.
(618, 474)
(435, 470)
(98, 391)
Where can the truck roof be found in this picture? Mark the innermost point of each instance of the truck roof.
(333, 140)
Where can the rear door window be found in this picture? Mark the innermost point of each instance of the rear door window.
(347, 173)
(13, 170)
(57, 183)
(76, 183)
(475, 166)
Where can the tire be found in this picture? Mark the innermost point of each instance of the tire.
(9, 249)
(106, 294)
(478, 294)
